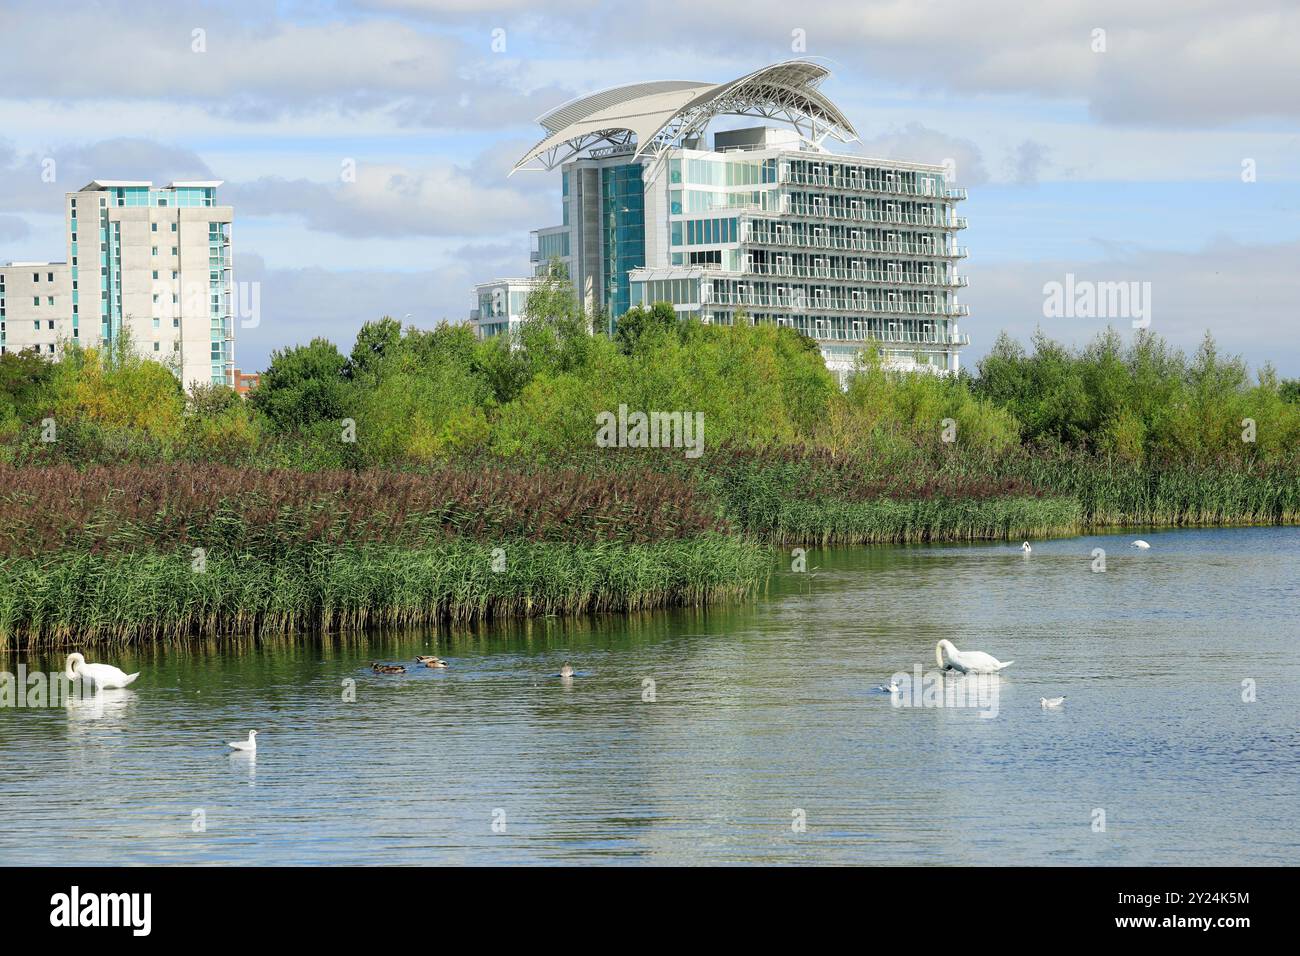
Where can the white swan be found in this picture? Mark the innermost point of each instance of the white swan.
(1046, 702)
(1141, 545)
(1025, 547)
(100, 675)
(892, 689)
(249, 745)
(968, 662)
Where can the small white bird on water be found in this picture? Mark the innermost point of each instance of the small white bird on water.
(1141, 545)
(1025, 547)
(893, 688)
(1050, 702)
(249, 745)
(567, 670)
(100, 675)
(968, 662)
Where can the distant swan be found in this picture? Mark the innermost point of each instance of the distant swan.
(893, 688)
(428, 660)
(1141, 545)
(566, 670)
(249, 745)
(968, 662)
(101, 675)
(1046, 702)
(1025, 547)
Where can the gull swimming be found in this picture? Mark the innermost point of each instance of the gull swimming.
(100, 675)
(1141, 545)
(249, 745)
(1046, 702)
(1025, 547)
(968, 662)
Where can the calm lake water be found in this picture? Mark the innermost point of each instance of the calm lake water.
(763, 715)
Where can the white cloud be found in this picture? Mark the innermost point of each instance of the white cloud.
(388, 201)
(298, 305)
(1243, 294)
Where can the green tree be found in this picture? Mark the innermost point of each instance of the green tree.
(303, 385)
(638, 321)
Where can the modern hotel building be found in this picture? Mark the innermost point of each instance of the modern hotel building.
(766, 226)
(154, 261)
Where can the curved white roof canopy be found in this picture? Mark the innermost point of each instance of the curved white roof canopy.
(657, 115)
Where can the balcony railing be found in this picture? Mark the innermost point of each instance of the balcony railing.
(772, 238)
(827, 303)
(816, 211)
(858, 275)
(880, 188)
(828, 334)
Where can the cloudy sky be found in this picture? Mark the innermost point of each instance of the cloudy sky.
(1154, 142)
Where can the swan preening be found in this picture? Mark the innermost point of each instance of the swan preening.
(249, 745)
(948, 657)
(1141, 545)
(1024, 546)
(100, 675)
(1048, 702)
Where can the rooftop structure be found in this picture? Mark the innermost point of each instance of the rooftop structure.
(768, 225)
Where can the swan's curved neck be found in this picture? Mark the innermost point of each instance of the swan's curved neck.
(75, 662)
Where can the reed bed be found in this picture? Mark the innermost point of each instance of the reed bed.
(152, 596)
(886, 521)
(123, 507)
(106, 553)
(1171, 493)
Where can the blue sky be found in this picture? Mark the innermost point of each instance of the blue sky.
(1122, 164)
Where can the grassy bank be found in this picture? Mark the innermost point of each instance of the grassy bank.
(146, 595)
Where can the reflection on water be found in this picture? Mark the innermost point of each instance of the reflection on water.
(711, 737)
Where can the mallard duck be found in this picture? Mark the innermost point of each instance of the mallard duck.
(566, 670)
(387, 668)
(428, 660)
